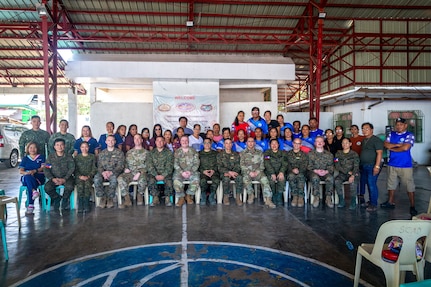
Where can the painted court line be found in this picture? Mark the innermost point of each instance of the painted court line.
(185, 266)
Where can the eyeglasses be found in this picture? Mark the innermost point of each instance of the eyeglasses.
(338, 130)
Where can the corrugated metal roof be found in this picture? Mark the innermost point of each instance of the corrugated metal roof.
(280, 27)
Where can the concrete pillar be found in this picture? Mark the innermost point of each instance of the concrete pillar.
(73, 112)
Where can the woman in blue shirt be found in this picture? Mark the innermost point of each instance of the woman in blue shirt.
(86, 136)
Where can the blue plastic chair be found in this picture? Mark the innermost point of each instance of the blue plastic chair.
(3, 238)
(46, 199)
(2, 192)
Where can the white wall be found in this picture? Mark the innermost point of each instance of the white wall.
(378, 116)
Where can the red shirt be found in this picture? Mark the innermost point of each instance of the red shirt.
(242, 126)
(357, 143)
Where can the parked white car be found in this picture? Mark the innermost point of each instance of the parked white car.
(9, 139)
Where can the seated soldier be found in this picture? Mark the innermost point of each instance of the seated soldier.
(109, 166)
(252, 168)
(297, 162)
(186, 164)
(228, 162)
(58, 170)
(275, 167)
(135, 170)
(208, 170)
(321, 167)
(160, 169)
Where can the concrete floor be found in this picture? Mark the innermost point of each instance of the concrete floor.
(48, 239)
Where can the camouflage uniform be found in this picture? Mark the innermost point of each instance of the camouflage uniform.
(186, 161)
(297, 160)
(275, 162)
(321, 160)
(230, 162)
(208, 161)
(136, 161)
(59, 167)
(69, 141)
(345, 163)
(40, 137)
(85, 166)
(252, 160)
(112, 161)
(160, 163)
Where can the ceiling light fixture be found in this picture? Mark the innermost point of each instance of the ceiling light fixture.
(41, 9)
(322, 15)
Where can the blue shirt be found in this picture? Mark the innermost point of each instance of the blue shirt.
(287, 145)
(282, 128)
(260, 123)
(316, 133)
(401, 158)
(261, 145)
(239, 146)
(28, 163)
(93, 145)
(102, 141)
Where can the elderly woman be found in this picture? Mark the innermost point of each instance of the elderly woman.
(31, 168)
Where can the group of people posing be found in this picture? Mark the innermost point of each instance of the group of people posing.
(184, 160)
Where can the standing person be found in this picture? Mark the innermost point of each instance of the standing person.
(167, 135)
(157, 132)
(239, 124)
(240, 144)
(177, 144)
(297, 129)
(400, 167)
(85, 170)
(160, 169)
(228, 162)
(31, 169)
(330, 144)
(252, 168)
(135, 170)
(270, 122)
(120, 137)
(314, 128)
(182, 121)
(36, 135)
(129, 141)
(110, 164)
(339, 136)
(208, 170)
(59, 169)
(287, 140)
(321, 167)
(283, 125)
(186, 164)
(195, 140)
(307, 140)
(356, 139)
(109, 131)
(259, 139)
(217, 135)
(69, 139)
(275, 162)
(145, 133)
(347, 164)
(86, 136)
(297, 163)
(226, 135)
(256, 121)
(370, 160)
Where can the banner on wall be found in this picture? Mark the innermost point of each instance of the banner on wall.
(198, 109)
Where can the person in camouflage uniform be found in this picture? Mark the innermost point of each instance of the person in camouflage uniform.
(275, 162)
(321, 167)
(40, 137)
(297, 162)
(186, 164)
(69, 139)
(160, 169)
(252, 168)
(347, 164)
(58, 170)
(85, 169)
(209, 171)
(229, 167)
(135, 170)
(109, 166)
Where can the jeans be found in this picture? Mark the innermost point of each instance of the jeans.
(367, 178)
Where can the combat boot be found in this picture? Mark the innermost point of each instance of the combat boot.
(86, 203)
(226, 199)
(294, 201)
(156, 201)
(269, 203)
(238, 200)
(250, 198)
(65, 204)
(341, 202)
(168, 201)
(80, 204)
(203, 200)
(300, 201)
(316, 202)
(102, 203)
(211, 198)
(180, 202)
(110, 203)
(328, 202)
(189, 199)
(352, 203)
(140, 199)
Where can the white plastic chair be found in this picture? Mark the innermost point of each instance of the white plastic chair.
(410, 231)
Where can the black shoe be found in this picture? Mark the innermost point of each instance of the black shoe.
(387, 204)
(56, 203)
(413, 211)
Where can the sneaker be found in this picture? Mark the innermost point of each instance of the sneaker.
(387, 204)
(35, 195)
(371, 208)
(29, 210)
(413, 211)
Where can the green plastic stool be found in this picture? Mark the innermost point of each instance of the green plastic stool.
(3, 238)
